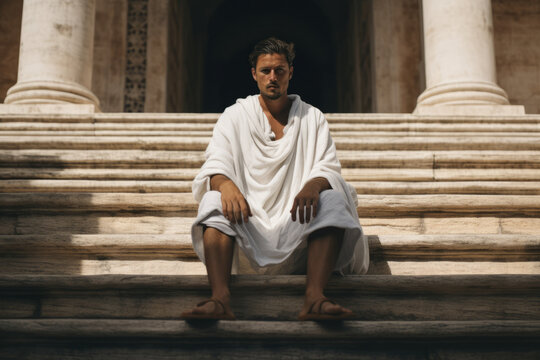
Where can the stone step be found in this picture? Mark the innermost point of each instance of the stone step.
(102, 158)
(350, 174)
(210, 118)
(47, 158)
(102, 266)
(93, 254)
(93, 128)
(337, 135)
(174, 223)
(184, 204)
(125, 133)
(444, 187)
(92, 118)
(483, 174)
(362, 187)
(88, 186)
(121, 174)
(190, 143)
(393, 118)
(455, 247)
(387, 128)
(171, 339)
(372, 297)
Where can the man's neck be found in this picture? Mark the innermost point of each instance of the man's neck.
(279, 108)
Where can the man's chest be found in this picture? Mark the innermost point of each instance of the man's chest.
(277, 125)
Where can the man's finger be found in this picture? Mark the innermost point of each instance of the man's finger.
(249, 209)
(293, 210)
(224, 208)
(315, 206)
(301, 205)
(237, 213)
(228, 211)
(245, 211)
(308, 211)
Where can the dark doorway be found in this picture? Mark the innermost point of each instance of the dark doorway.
(234, 28)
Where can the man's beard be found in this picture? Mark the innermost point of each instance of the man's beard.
(272, 96)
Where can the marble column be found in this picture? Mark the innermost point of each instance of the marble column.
(459, 54)
(56, 53)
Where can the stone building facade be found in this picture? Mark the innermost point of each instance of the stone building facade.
(381, 56)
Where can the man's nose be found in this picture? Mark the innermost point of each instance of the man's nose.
(273, 76)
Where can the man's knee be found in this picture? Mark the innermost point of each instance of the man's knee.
(331, 232)
(331, 196)
(213, 234)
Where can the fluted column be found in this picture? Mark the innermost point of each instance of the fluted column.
(56, 53)
(459, 54)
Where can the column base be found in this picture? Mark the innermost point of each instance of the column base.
(50, 92)
(63, 109)
(464, 93)
(469, 110)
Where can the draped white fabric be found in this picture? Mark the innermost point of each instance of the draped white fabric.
(270, 173)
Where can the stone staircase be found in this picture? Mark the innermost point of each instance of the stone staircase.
(96, 257)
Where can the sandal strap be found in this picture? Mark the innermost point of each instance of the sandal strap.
(214, 300)
(320, 301)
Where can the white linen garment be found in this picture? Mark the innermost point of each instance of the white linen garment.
(270, 173)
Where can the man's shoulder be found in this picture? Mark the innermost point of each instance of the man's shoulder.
(237, 113)
(311, 111)
(307, 106)
(241, 103)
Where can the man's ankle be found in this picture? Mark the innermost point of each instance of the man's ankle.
(223, 296)
(313, 294)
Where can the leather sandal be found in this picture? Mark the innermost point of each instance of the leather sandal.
(314, 312)
(189, 315)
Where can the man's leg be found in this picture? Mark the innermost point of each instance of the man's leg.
(218, 253)
(323, 250)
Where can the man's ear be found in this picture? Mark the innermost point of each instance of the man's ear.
(253, 73)
(290, 72)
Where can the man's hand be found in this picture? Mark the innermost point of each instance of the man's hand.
(235, 206)
(307, 199)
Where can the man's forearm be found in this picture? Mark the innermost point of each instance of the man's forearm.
(217, 180)
(321, 182)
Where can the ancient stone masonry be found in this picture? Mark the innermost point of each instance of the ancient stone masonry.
(137, 27)
(55, 57)
(459, 56)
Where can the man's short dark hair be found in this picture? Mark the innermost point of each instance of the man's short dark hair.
(272, 45)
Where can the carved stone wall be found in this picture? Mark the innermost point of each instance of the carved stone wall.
(185, 59)
(10, 33)
(517, 51)
(109, 71)
(397, 55)
(354, 58)
(135, 84)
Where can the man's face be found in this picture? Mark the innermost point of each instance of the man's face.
(272, 74)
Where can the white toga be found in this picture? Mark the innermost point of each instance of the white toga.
(270, 173)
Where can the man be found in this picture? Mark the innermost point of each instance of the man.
(271, 184)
